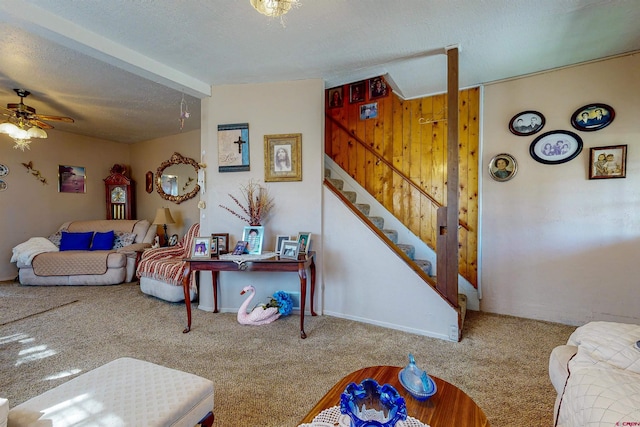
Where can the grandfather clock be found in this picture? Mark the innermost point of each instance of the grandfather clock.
(119, 192)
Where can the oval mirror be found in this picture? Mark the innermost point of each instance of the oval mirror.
(177, 179)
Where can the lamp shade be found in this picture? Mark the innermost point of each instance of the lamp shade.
(163, 216)
(36, 132)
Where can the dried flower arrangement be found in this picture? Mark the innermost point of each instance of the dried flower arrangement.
(258, 203)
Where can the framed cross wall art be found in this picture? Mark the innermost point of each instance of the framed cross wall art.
(233, 147)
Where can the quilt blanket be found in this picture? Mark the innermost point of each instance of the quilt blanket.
(603, 388)
(25, 252)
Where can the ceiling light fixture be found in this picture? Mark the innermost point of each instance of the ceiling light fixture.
(273, 8)
(22, 133)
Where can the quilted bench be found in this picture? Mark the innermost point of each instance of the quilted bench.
(124, 392)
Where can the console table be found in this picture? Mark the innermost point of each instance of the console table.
(274, 264)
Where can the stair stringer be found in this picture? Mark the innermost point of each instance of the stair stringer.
(364, 280)
(406, 236)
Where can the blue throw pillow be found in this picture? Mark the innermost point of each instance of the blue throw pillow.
(75, 241)
(102, 241)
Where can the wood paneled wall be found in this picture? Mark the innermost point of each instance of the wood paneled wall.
(411, 135)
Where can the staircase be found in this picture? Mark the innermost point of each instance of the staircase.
(425, 266)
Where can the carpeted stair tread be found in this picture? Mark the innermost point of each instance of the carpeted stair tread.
(378, 221)
(425, 265)
(391, 234)
(350, 195)
(364, 208)
(338, 183)
(410, 250)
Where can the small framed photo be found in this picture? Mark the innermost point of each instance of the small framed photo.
(289, 249)
(336, 97)
(589, 118)
(555, 147)
(608, 162)
(253, 235)
(214, 247)
(201, 247)
(240, 247)
(304, 240)
(279, 239)
(526, 123)
(377, 88)
(223, 242)
(283, 157)
(173, 240)
(369, 111)
(233, 147)
(503, 167)
(357, 92)
(71, 179)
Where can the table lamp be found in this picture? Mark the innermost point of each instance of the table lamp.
(163, 217)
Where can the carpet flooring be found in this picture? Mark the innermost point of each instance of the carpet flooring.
(267, 375)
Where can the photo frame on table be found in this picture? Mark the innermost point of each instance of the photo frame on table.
(357, 92)
(555, 147)
(201, 247)
(377, 88)
(214, 247)
(608, 162)
(240, 248)
(279, 239)
(254, 236)
(233, 147)
(289, 249)
(173, 240)
(527, 123)
(223, 242)
(304, 241)
(283, 157)
(503, 167)
(71, 179)
(369, 111)
(336, 97)
(592, 117)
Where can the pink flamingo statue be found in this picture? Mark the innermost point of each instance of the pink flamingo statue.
(259, 315)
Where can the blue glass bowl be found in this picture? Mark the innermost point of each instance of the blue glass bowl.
(416, 381)
(370, 404)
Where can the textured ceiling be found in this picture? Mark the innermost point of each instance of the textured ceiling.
(120, 68)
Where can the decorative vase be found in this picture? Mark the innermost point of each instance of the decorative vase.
(369, 404)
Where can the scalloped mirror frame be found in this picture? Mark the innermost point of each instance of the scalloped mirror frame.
(176, 159)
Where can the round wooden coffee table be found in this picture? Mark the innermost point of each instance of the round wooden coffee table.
(450, 406)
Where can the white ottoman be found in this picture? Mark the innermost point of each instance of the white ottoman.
(124, 392)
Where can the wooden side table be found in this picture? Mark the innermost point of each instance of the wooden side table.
(275, 264)
(449, 407)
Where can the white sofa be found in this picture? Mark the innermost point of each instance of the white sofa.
(597, 376)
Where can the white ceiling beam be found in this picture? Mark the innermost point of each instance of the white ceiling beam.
(73, 36)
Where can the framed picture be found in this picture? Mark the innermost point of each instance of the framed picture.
(608, 162)
(369, 111)
(503, 167)
(240, 247)
(555, 147)
(173, 240)
(336, 98)
(233, 147)
(304, 240)
(223, 242)
(149, 181)
(214, 247)
(279, 239)
(254, 236)
(377, 88)
(592, 117)
(283, 157)
(289, 249)
(201, 247)
(357, 92)
(526, 123)
(71, 179)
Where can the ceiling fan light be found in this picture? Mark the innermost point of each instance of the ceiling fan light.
(36, 132)
(272, 8)
(8, 128)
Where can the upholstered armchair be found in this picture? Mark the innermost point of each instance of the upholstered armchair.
(160, 270)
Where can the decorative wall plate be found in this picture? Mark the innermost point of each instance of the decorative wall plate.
(4, 170)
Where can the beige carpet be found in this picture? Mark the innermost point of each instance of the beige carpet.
(267, 375)
(19, 305)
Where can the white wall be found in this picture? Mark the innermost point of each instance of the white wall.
(555, 245)
(272, 108)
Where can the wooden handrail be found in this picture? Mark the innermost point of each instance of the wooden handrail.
(386, 240)
(390, 166)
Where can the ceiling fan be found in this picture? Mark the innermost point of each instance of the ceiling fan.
(22, 114)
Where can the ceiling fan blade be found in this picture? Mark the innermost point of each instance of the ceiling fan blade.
(40, 124)
(21, 107)
(54, 118)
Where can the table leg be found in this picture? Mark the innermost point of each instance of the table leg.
(312, 269)
(303, 297)
(214, 280)
(187, 297)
